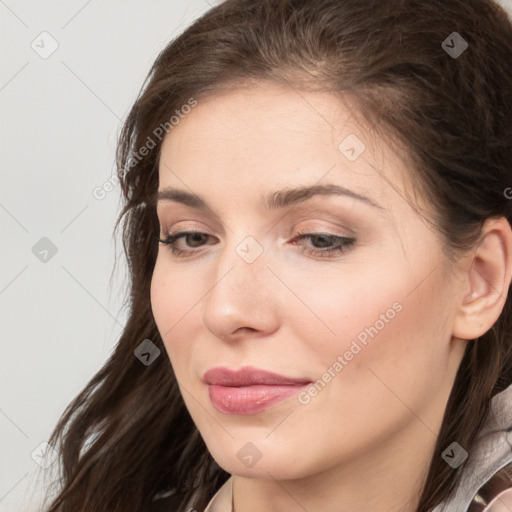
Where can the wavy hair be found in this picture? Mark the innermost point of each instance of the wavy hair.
(128, 437)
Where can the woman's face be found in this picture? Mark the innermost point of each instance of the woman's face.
(368, 326)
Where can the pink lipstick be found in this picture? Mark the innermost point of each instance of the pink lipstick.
(249, 390)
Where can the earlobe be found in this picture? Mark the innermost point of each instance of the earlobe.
(488, 279)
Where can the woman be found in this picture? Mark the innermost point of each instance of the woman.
(317, 226)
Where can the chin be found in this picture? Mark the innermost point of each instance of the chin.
(271, 464)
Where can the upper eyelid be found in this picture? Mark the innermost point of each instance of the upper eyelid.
(304, 213)
(297, 230)
(161, 217)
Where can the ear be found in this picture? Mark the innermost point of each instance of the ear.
(488, 279)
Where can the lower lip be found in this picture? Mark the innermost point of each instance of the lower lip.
(250, 399)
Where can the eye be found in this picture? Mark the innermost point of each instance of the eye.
(324, 242)
(195, 237)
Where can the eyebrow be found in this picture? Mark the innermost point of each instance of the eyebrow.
(271, 201)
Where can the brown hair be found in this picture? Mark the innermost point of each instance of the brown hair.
(128, 435)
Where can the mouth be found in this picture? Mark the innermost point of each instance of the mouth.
(249, 390)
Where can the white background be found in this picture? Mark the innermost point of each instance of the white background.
(60, 117)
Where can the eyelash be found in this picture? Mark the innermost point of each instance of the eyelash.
(344, 243)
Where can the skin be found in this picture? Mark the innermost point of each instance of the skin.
(364, 441)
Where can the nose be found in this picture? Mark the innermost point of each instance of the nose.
(242, 301)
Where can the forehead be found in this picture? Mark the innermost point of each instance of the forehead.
(265, 137)
(265, 114)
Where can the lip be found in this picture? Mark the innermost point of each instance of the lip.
(249, 390)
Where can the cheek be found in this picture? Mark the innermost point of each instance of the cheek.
(373, 329)
(388, 348)
(175, 303)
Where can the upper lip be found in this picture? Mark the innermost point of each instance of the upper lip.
(247, 376)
